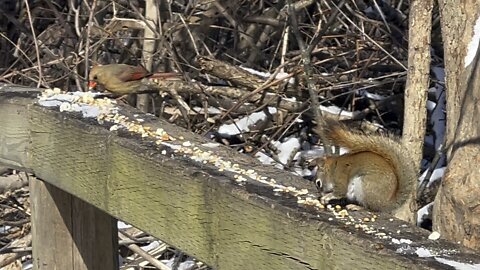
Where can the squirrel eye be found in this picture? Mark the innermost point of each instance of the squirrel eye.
(318, 183)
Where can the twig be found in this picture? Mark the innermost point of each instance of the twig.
(438, 155)
(37, 50)
(190, 35)
(87, 38)
(18, 48)
(308, 72)
(20, 250)
(319, 34)
(379, 10)
(158, 264)
(372, 40)
(136, 241)
(76, 11)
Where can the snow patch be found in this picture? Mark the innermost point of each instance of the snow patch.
(336, 110)
(151, 246)
(243, 124)
(437, 174)
(423, 252)
(210, 110)
(401, 241)
(423, 213)
(122, 225)
(265, 75)
(186, 265)
(458, 265)
(286, 149)
(473, 45)
(373, 96)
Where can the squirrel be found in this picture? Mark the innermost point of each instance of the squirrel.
(376, 173)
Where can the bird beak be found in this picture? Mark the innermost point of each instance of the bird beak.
(91, 85)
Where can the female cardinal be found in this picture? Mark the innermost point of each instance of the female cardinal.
(123, 79)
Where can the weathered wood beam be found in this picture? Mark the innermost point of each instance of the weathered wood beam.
(14, 137)
(205, 211)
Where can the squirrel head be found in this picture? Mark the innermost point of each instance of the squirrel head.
(329, 178)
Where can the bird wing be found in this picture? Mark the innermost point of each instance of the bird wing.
(132, 73)
(165, 76)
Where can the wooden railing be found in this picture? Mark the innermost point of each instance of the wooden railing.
(222, 207)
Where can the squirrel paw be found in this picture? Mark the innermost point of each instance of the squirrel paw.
(325, 199)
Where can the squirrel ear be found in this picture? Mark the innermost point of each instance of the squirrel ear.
(320, 161)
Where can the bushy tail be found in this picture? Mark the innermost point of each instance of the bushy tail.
(386, 146)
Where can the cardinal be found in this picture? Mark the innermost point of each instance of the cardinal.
(122, 79)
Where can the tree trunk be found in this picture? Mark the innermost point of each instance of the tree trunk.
(456, 211)
(415, 116)
(149, 48)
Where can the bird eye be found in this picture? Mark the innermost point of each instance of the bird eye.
(95, 77)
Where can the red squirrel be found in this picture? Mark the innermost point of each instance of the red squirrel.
(376, 173)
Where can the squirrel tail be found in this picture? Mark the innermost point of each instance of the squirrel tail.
(386, 146)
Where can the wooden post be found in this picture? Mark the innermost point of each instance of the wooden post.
(68, 233)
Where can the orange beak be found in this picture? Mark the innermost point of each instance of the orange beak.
(91, 84)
